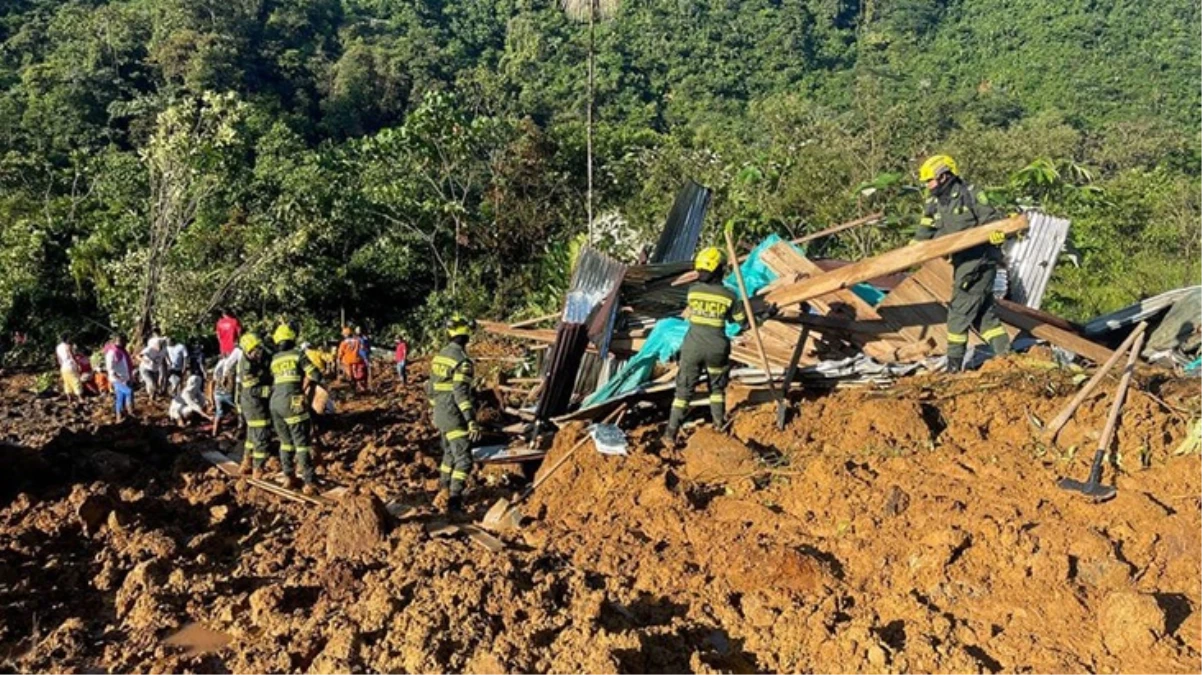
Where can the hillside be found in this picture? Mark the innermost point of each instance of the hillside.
(398, 159)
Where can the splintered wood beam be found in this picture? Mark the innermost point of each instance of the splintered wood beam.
(896, 260)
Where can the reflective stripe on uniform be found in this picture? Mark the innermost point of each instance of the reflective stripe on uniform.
(296, 419)
(459, 475)
(927, 222)
(714, 371)
(957, 338)
(287, 379)
(456, 434)
(717, 398)
(257, 424)
(286, 447)
(303, 448)
(680, 403)
(444, 386)
(706, 321)
(709, 297)
(460, 377)
(445, 361)
(465, 406)
(997, 331)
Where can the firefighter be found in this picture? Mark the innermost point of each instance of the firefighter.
(254, 391)
(954, 206)
(290, 407)
(710, 306)
(450, 392)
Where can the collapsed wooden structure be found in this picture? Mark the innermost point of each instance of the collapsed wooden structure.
(612, 308)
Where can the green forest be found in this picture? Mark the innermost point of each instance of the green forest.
(403, 159)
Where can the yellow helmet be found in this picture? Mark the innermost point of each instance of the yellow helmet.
(284, 333)
(935, 166)
(709, 260)
(249, 342)
(460, 325)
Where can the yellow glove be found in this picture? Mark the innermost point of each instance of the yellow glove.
(997, 237)
(473, 431)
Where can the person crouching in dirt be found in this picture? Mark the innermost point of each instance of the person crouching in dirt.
(254, 392)
(189, 402)
(710, 306)
(290, 407)
(449, 389)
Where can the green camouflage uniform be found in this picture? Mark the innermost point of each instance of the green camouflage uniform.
(959, 207)
(290, 410)
(254, 390)
(450, 392)
(711, 306)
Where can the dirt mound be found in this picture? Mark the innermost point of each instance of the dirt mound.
(915, 528)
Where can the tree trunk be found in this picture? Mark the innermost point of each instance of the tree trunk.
(592, 5)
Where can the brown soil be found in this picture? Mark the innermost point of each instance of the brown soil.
(913, 528)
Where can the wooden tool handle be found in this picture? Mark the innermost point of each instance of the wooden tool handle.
(1119, 395)
(755, 329)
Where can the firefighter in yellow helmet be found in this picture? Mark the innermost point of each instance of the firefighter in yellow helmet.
(710, 307)
(290, 407)
(450, 392)
(954, 206)
(254, 392)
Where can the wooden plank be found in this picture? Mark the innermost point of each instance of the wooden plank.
(1057, 336)
(842, 303)
(231, 468)
(871, 218)
(896, 260)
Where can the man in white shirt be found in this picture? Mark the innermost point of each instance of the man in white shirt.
(225, 386)
(69, 370)
(189, 403)
(152, 364)
(177, 358)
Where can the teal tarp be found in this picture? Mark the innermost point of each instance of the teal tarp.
(664, 340)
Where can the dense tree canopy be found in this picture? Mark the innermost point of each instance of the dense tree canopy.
(403, 159)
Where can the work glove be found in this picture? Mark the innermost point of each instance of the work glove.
(473, 431)
(997, 237)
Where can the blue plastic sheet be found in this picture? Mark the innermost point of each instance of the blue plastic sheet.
(664, 341)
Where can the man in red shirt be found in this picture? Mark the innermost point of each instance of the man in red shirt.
(402, 354)
(228, 332)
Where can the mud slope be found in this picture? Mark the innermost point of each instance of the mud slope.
(916, 528)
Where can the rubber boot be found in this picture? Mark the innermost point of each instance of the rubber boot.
(718, 412)
(1000, 345)
(955, 358)
(304, 468)
(454, 507)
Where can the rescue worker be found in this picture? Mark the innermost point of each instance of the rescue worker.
(290, 407)
(710, 306)
(254, 391)
(449, 389)
(954, 206)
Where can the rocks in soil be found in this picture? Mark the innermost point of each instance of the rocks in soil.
(1130, 621)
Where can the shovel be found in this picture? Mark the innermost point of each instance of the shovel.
(1092, 487)
(505, 515)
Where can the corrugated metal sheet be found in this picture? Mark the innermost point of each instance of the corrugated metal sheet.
(1030, 261)
(1132, 314)
(682, 231)
(589, 310)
